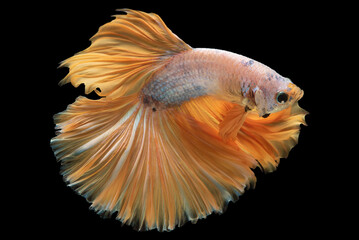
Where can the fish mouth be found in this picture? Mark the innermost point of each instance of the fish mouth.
(299, 94)
(296, 93)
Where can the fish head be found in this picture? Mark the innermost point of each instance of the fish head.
(271, 98)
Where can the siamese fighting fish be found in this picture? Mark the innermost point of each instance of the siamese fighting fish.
(177, 131)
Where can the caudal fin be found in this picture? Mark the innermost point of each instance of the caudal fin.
(153, 169)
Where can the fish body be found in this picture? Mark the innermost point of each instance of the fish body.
(222, 74)
(177, 130)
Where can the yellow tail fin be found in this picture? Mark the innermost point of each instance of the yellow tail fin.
(123, 54)
(155, 169)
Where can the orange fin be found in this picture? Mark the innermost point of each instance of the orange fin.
(123, 54)
(156, 169)
(232, 122)
(272, 138)
(266, 139)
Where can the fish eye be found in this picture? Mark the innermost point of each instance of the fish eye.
(282, 97)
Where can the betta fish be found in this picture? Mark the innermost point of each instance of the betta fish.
(177, 131)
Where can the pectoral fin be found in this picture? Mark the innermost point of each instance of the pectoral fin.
(232, 122)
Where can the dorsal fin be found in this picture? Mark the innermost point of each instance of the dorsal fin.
(123, 54)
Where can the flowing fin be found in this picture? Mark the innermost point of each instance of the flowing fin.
(266, 139)
(123, 55)
(272, 138)
(232, 122)
(155, 169)
(207, 110)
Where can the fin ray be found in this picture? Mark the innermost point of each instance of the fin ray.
(271, 138)
(232, 122)
(123, 55)
(155, 169)
(266, 139)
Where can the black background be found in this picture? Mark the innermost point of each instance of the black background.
(292, 201)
